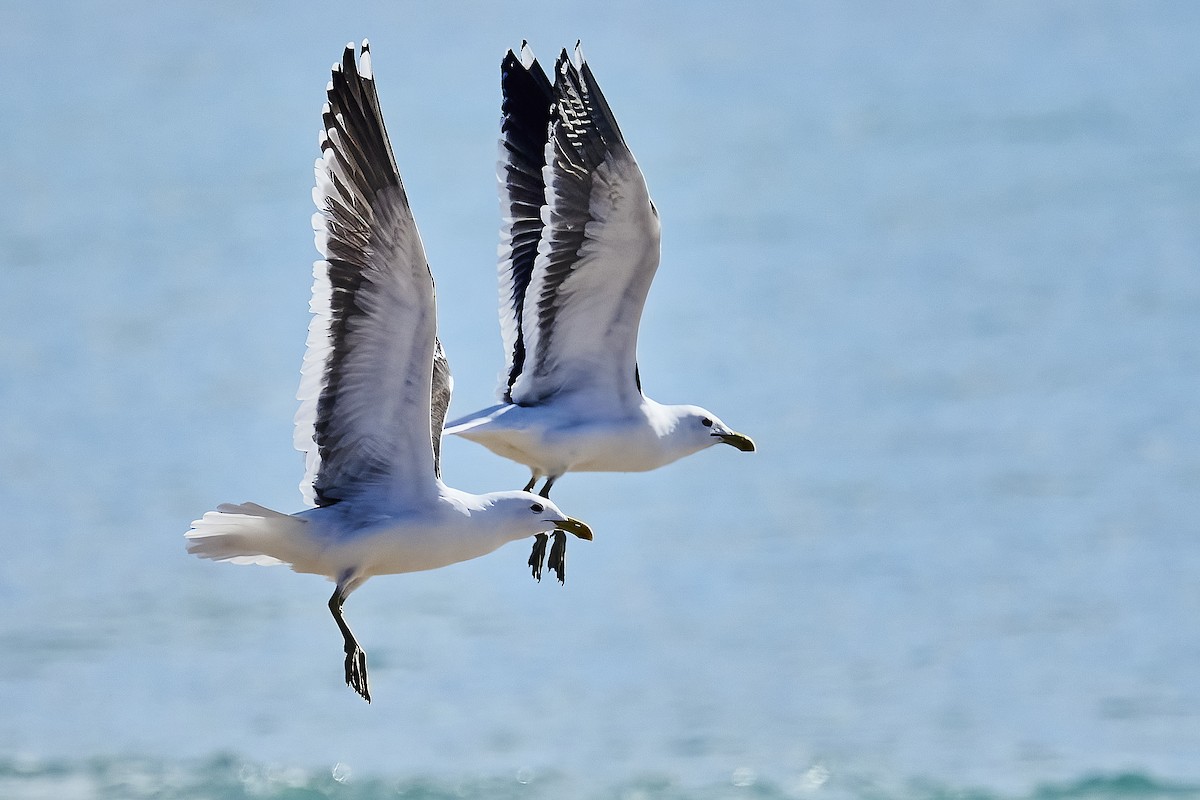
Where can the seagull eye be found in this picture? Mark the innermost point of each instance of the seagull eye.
(537, 508)
(706, 422)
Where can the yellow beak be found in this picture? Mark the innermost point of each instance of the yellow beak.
(572, 525)
(738, 440)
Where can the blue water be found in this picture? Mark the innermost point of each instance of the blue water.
(942, 262)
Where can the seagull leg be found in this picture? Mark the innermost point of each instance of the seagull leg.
(558, 551)
(558, 556)
(356, 658)
(538, 555)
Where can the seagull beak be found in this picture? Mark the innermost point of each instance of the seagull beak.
(738, 440)
(572, 525)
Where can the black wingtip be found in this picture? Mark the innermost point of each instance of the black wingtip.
(348, 66)
(562, 66)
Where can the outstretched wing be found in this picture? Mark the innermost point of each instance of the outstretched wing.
(364, 421)
(524, 128)
(596, 257)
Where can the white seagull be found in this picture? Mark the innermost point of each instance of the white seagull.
(579, 248)
(373, 394)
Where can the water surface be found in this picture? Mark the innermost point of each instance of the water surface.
(941, 263)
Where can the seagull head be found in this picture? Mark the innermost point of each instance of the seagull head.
(529, 514)
(700, 428)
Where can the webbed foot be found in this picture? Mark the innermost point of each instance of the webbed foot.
(356, 671)
(558, 556)
(538, 556)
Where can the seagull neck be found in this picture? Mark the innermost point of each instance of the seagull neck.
(662, 419)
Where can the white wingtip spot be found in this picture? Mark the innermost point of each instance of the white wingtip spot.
(579, 54)
(335, 140)
(527, 57)
(320, 234)
(364, 63)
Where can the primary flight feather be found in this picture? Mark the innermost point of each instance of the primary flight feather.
(579, 249)
(374, 389)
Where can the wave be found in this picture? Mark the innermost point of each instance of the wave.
(227, 777)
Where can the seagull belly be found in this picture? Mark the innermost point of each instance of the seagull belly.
(556, 439)
(624, 445)
(610, 452)
(415, 545)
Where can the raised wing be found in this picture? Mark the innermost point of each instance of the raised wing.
(364, 421)
(524, 128)
(596, 257)
(443, 385)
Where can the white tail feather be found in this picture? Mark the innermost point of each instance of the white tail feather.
(247, 534)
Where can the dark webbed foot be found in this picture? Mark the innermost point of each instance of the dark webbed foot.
(558, 556)
(538, 555)
(356, 659)
(356, 671)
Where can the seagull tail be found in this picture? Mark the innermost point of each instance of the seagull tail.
(246, 534)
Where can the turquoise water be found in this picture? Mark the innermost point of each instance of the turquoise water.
(942, 263)
(226, 777)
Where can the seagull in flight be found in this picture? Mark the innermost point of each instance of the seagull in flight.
(374, 389)
(579, 249)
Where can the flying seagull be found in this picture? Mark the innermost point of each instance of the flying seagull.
(579, 248)
(373, 394)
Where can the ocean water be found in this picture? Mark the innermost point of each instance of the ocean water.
(942, 262)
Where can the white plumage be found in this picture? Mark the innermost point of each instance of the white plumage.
(373, 393)
(579, 247)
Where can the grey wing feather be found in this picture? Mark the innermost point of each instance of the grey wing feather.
(525, 120)
(596, 257)
(367, 386)
(443, 386)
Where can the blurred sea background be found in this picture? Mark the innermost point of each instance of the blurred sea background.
(941, 260)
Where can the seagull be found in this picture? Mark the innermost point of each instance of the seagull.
(579, 248)
(374, 389)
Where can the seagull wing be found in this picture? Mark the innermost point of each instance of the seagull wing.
(368, 397)
(439, 402)
(597, 255)
(524, 129)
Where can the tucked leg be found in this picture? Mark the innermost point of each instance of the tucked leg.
(356, 658)
(545, 490)
(538, 556)
(558, 551)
